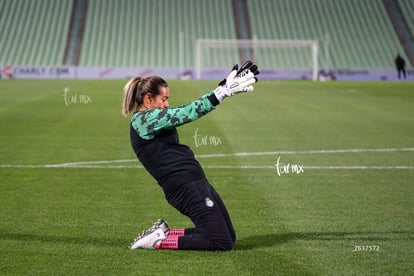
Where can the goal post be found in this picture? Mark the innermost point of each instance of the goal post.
(275, 58)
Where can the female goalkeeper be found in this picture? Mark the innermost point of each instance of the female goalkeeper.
(154, 139)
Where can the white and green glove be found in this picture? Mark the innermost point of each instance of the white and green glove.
(238, 81)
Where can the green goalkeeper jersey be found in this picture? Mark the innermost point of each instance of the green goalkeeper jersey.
(155, 140)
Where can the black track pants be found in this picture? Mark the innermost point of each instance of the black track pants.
(200, 202)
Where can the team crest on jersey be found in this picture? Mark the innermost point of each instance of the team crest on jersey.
(209, 202)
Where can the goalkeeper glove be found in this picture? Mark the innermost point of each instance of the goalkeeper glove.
(239, 80)
(247, 65)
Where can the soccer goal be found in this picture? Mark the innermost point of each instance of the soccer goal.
(275, 58)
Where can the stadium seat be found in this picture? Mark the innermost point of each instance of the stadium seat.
(351, 34)
(162, 33)
(34, 32)
(407, 8)
(150, 33)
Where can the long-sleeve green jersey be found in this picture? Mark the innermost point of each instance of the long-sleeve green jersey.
(155, 141)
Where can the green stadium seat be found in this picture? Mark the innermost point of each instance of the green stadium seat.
(34, 32)
(150, 33)
(351, 34)
(407, 8)
(162, 33)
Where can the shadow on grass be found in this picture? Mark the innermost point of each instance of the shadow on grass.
(246, 243)
(94, 241)
(270, 240)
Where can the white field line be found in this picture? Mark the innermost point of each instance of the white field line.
(109, 164)
(302, 152)
(317, 167)
(397, 167)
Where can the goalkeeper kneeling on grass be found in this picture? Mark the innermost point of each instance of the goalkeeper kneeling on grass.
(154, 139)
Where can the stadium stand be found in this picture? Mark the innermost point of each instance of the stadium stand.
(351, 34)
(407, 7)
(150, 33)
(33, 32)
(162, 33)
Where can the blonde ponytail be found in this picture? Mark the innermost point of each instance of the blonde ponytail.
(130, 90)
(136, 88)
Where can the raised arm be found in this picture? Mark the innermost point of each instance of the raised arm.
(148, 123)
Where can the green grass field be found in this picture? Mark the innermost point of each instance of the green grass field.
(69, 206)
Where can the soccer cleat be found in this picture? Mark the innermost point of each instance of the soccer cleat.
(163, 225)
(148, 239)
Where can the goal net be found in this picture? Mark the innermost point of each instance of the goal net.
(277, 59)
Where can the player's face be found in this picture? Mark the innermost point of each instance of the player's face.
(161, 100)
